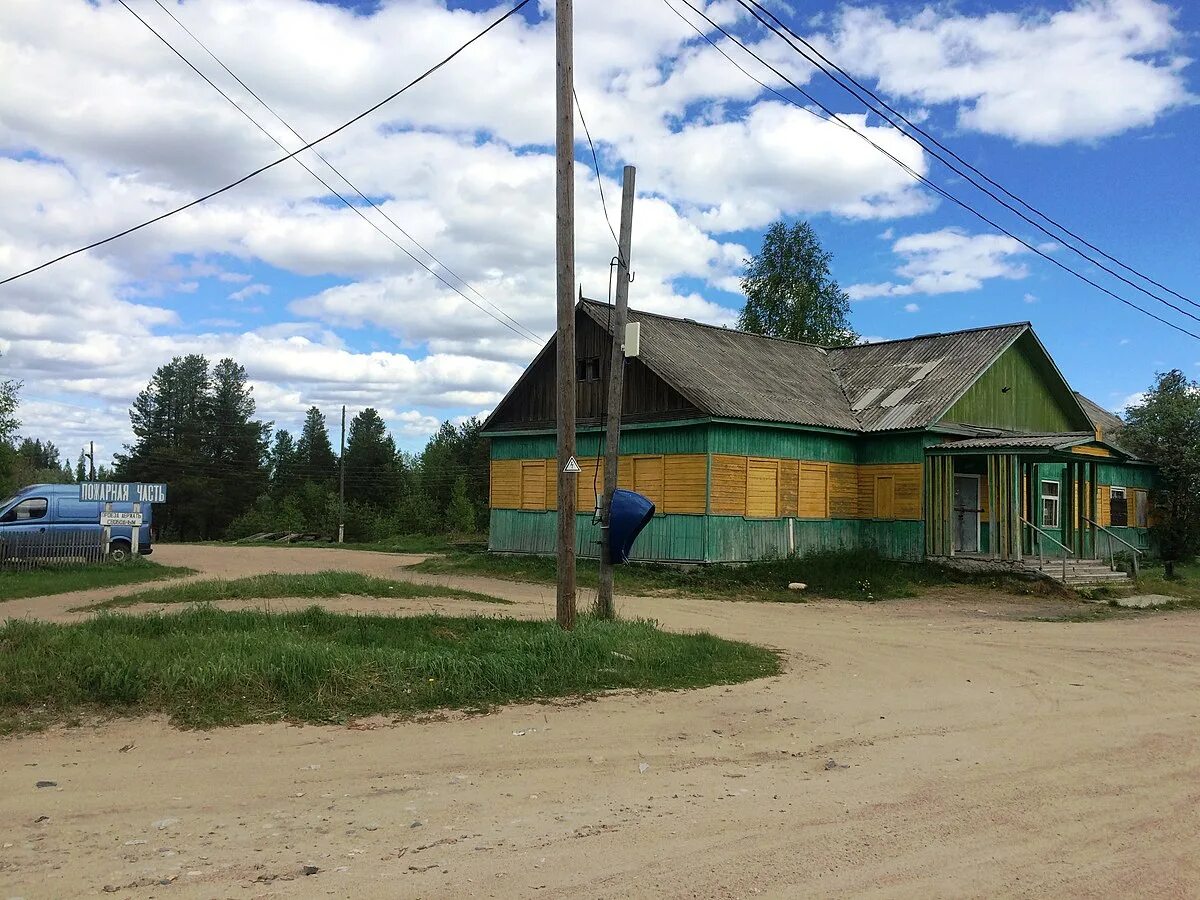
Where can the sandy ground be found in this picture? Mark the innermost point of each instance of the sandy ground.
(973, 754)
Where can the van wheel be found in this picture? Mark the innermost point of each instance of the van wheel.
(118, 552)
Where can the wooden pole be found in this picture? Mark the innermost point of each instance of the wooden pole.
(616, 387)
(565, 256)
(342, 482)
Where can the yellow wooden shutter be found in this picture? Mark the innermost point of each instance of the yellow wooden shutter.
(648, 478)
(762, 488)
(533, 484)
(814, 490)
(505, 484)
(885, 497)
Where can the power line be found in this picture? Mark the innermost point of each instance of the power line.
(916, 127)
(596, 165)
(753, 7)
(319, 156)
(462, 47)
(530, 336)
(834, 118)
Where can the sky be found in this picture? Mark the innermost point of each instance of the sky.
(1087, 110)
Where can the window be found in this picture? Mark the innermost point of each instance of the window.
(1118, 507)
(588, 369)
(34, 508)
(1050, 504)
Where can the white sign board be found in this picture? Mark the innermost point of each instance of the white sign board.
(122, 492)
(572, 467)
(121, 518)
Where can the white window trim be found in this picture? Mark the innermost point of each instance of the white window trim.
(1057, 498)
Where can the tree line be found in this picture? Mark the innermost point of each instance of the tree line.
(232, 475)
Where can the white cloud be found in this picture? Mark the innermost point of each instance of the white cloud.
(911, 308)
(1096, 69)
(1030, 298)
(947, 261)
(250, 290)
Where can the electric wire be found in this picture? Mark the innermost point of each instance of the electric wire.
(916, 127)
(834, 118)
(323, 182)
(319, 156)
(221, 190)
(596, 167)
(753, 7)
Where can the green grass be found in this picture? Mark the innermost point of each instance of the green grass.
(204, 667)
(404, 543)
(272, 586)
(60, 579)
(855, 575)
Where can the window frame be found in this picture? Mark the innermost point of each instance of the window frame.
(11, 518)
(1112, 495)
(1056, 497)
(588, 369)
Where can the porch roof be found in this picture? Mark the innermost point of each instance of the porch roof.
(1081, 443)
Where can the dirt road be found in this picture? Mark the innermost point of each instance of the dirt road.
(972, 755)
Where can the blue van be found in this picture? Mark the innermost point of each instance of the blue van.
(51, 520)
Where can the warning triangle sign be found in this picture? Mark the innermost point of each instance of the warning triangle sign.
(572, 467)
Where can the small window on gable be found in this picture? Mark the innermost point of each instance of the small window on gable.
(1118, 507)
(1050, 504)
(588, 368)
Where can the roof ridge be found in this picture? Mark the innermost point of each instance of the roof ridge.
(936, 334)
(721, 328)
(825, 347)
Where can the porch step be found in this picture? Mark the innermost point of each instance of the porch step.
(1079, 572)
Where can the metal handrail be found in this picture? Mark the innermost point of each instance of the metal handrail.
(1041, 557)
(1112, 559)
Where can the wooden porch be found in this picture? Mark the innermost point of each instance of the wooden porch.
(969, 487)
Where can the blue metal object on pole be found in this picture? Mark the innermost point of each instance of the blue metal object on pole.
(629, 513)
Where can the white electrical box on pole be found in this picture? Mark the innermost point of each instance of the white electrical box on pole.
(564, 153)
(616, 388)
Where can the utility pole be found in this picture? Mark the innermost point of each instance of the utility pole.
(91, 460)
(616, 387)
(564, 145)
(342, 484)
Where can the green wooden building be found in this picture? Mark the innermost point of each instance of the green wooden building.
(969, 443)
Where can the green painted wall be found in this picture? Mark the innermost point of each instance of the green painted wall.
(677, 439)
(894, 448)
(677, 538)
(734, 539)
(896, 540)
(780, 443)
(1036, 399)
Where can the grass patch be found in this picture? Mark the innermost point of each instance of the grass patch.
(847, 575)
(272, 586)
(61, 579)
(205, 667)
(1184, 587)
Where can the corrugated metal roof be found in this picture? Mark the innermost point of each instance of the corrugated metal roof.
(737, 375)
(1044, 441)
(921, 376)
(1100, 416)
(884, 386)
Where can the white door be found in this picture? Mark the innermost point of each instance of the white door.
(966, 513)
